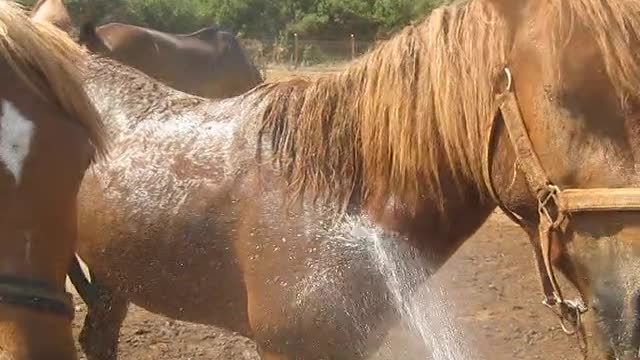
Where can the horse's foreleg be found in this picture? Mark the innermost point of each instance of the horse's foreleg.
(99, 336)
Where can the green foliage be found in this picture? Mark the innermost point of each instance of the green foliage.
(260, 19)
(177, 16)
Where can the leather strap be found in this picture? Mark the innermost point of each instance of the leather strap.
(529, 164)
(35, 295)
(548, 197)
(587, 200)
(528, 161)
(554, 204)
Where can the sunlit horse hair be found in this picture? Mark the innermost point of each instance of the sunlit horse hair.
(424, 98)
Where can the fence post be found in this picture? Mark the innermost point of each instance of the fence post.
(295, 50)
(353, 46)
(274, 53)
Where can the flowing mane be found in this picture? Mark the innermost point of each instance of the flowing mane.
(393, 118)
(421, 102)
(615, 25)
(51, 64)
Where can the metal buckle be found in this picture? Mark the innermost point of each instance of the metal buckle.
(568, 311)
(571, 314)
(549, 197)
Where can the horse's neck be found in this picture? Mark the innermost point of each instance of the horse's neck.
(437, 231)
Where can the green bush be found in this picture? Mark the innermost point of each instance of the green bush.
(260, 19)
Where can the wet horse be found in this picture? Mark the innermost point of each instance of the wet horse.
(49, 134)
(238, 213)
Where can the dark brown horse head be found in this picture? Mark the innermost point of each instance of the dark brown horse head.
(209, 63)
(54, 12)
(49, 134)
(576, 76)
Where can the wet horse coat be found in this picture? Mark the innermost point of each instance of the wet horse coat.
(234, 213)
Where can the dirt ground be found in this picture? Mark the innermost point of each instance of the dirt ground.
(494, 298)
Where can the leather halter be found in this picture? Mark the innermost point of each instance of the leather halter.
(555, 205)
(35, 295)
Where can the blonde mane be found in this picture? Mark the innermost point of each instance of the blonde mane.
(416, 111)
(51, 64)
(615, 25)
(390, 120)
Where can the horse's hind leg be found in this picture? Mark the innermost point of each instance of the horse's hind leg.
(99, 336)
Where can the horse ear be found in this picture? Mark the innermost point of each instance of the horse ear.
(35, 8)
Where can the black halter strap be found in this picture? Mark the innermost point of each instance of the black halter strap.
(36, 295)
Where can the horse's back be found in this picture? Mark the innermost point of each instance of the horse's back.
(207, 34)
(120, 35)
(117, 35)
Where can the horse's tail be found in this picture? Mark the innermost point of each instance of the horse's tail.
(87, 291)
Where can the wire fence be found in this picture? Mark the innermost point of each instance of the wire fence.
(297, 52)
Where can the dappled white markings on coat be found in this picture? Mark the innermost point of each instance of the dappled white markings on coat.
(175, 156)
(16, 132)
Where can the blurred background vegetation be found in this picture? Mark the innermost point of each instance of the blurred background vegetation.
(260, 19)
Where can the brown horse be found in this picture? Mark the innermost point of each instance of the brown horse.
(233, 213)
(54, 12)
(49, 134)
(209, 63)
